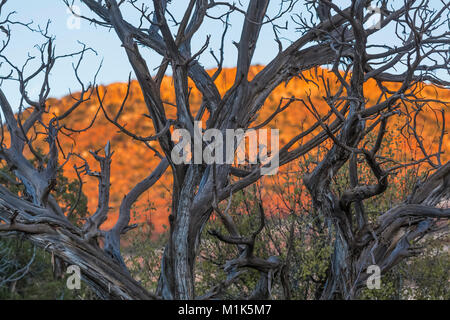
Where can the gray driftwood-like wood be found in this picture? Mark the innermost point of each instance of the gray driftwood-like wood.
(336, 37)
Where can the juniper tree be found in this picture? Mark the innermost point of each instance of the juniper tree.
(336, 38)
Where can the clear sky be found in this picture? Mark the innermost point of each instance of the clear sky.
(115, 65)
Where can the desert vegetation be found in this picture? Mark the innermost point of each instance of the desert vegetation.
(89, 180)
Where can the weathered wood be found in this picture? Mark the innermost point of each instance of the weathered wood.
(339, 40)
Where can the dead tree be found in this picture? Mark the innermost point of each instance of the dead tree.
(338, 41)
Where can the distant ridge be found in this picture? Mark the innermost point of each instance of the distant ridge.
(132, 160)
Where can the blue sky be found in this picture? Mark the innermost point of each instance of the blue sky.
(115, 65)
